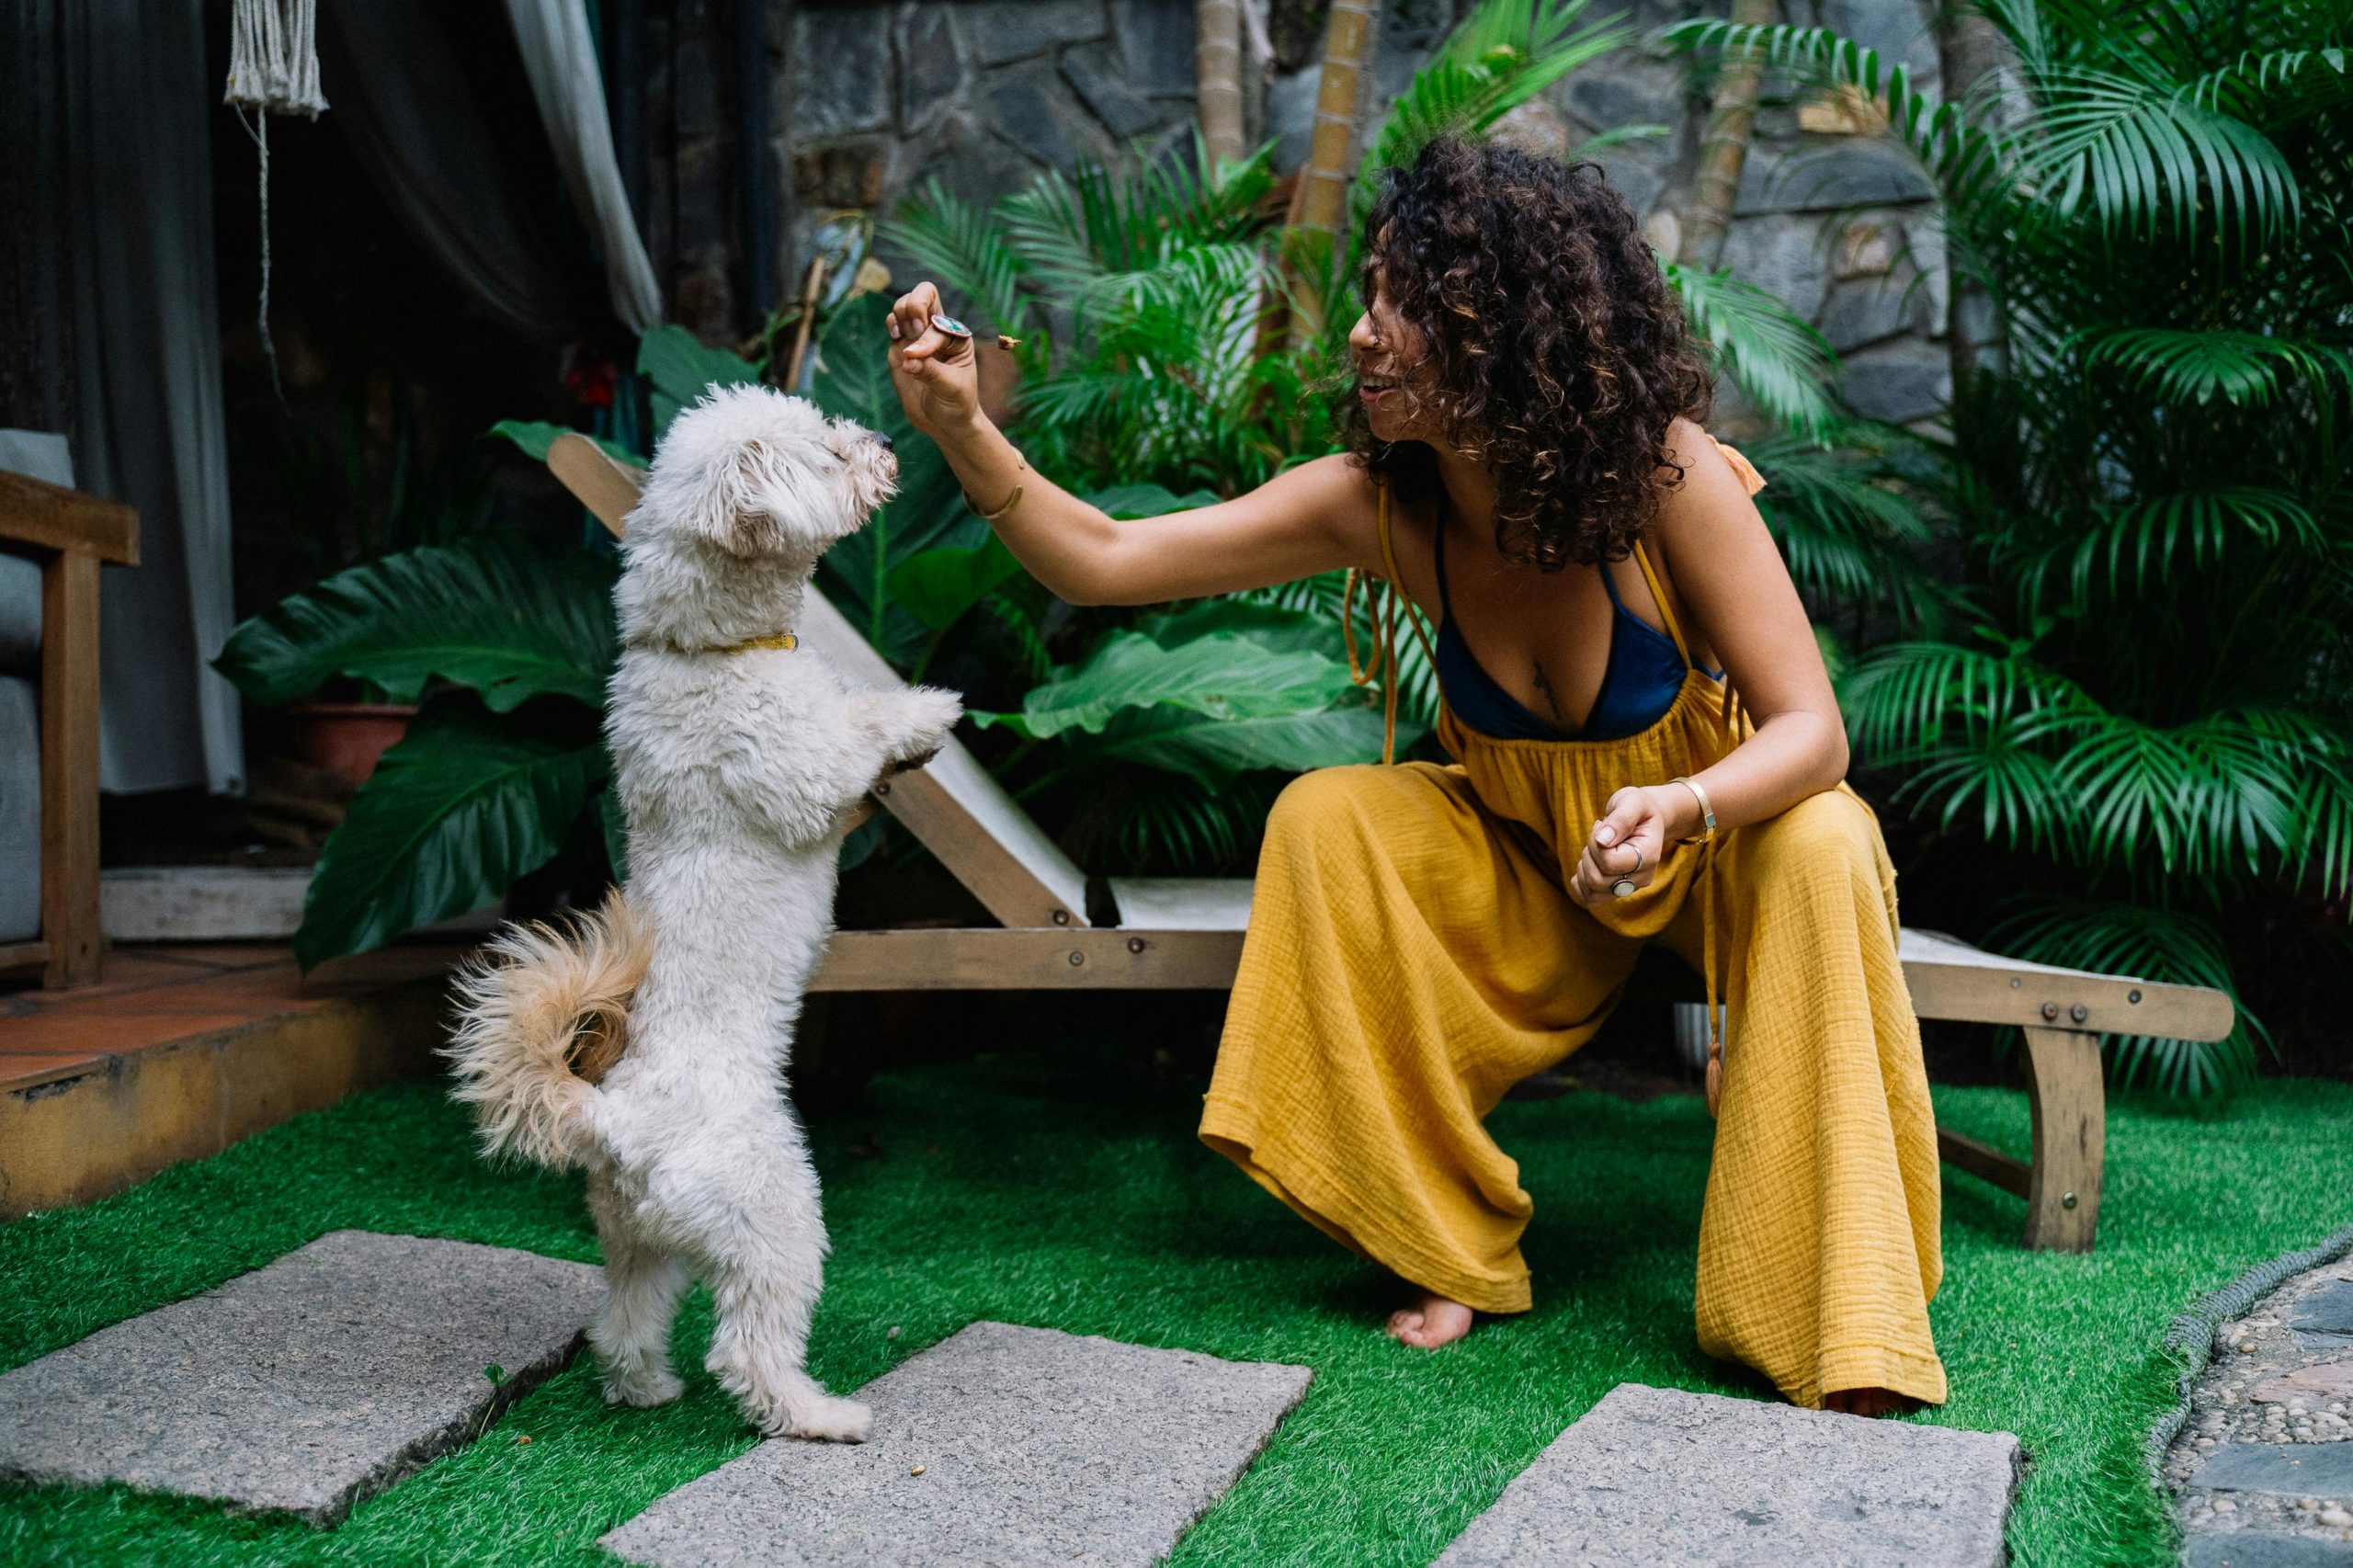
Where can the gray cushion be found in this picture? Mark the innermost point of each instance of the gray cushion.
(19, 809)
(41, 455)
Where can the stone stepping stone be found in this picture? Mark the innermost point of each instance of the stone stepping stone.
(2313, 1385)
(2248, 1549)
(1000, 1445)
(1658, 1475)
(304, 1386)
(2328, 1310)
(2282, 1469)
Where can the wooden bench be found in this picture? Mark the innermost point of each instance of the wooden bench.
(1186, 933)
(69, 533)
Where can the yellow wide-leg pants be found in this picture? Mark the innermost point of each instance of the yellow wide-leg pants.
(1412, 953)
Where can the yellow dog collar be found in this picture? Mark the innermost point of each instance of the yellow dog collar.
(785, 640)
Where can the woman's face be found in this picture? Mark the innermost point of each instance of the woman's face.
(1394, 378)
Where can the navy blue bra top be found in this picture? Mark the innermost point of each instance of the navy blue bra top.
(1638, 685)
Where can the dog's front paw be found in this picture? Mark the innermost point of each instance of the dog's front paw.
(929, 715)
(644, 1388)
(822, 1419)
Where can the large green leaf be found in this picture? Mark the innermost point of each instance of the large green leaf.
(681, 370)
(853, 381)
(1213, 751)
(1275, 627)
(939, 586)
(466, 803)
(1129, 501)
(536, 436)
(1222, 676)
(504, 614)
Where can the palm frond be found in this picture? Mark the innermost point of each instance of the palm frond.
(959, 243)
(1779, 361)
(2240, 367)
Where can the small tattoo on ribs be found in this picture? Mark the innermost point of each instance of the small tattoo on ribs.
(1552, 700)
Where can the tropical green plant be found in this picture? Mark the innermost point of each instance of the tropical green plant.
(509, 641)
(1152, 738)
(2143, 695)
(1144, 300)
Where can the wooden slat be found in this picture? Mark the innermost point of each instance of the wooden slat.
(987, 957)
(69, 767)
(1984, 1162)
(36, 515)
(606, 488)
(23, 955)
(954, 808)
(2070, 1103)
(1949, 979)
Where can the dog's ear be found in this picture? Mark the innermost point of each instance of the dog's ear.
(739, 509)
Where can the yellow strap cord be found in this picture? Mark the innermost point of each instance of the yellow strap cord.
(1383, 611)
(1725, 708)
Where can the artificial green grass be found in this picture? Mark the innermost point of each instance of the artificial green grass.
(1050, 1188)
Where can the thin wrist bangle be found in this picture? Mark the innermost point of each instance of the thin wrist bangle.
(1706, 812)
(1021, 465)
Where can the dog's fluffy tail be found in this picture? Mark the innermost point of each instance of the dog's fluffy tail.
(542, 1015)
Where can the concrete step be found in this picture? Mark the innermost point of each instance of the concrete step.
(303, 1386)
(1659, 1475)
(1000, 1445)
(181, 1051)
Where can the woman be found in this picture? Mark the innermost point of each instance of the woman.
(1527, 467)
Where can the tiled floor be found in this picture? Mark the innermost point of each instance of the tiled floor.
(153, 995)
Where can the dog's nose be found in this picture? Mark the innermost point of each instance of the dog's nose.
(884, 437)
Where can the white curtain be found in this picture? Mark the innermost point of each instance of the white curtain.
(561, 60)
(149, 428)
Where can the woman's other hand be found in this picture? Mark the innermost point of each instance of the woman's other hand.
(936, 374)
(1627, 844)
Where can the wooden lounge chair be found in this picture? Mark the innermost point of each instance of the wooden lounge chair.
(70, 533)
(1186, 933)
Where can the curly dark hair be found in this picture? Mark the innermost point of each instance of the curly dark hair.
(1554, 336)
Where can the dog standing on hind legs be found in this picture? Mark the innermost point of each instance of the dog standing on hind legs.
(648, 1044)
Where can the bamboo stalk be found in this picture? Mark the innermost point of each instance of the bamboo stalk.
(1724, 152)
(1217, 77)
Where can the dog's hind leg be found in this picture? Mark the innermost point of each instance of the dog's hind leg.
(764, 1275)
(642, 1286)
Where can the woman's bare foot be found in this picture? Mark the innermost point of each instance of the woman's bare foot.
(1433, 1321)
(1869, 1401)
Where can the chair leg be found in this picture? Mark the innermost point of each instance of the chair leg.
(2064, 1088)
(69, 768)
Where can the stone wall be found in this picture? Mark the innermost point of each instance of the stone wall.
(878, 97)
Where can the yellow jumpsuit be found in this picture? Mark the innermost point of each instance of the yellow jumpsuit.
(1412, 953)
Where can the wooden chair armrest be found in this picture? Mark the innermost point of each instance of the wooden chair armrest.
(40, 518)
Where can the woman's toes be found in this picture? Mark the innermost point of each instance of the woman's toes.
(1436, 1320)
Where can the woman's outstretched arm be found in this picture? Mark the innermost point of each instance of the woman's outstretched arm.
(1313, 519)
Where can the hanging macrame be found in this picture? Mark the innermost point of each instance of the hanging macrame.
(273, 69)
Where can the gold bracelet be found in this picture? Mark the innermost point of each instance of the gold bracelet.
(1706, 812)
(1021, 465)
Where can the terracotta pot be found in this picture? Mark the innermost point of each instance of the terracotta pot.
(346, 738)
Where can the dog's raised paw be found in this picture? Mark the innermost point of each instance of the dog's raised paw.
(825, 1419)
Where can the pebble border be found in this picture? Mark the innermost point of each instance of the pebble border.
(2191, 1335)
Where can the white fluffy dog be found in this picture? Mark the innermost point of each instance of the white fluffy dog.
(737, 758)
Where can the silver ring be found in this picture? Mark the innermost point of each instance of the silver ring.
(1638, 859)
(1623, 887)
